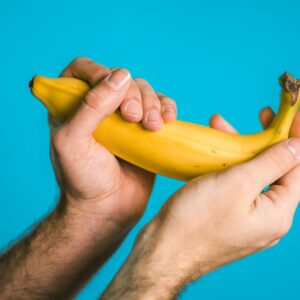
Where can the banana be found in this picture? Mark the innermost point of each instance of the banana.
(180, 150)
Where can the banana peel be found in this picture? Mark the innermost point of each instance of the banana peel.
(180, 150)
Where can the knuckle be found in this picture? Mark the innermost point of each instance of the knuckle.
(152, 98)
(80, 60)
(91, 99)
(124, 70)
(152, 108)
(98, 73)
(134, 88)
(170, 100)
(167, 100)
(141, 81)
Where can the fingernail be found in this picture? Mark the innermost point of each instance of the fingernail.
(133, 107)
(152, 116)
(118, 79)
(168, 108)
(294, 147)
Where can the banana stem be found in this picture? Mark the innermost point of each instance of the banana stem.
(289, 104)
(30, 84)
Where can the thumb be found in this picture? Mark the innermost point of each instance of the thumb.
(99, 102)
(273, 163)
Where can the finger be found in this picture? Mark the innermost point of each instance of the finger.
(99, 102)
(266, 116)
(218, 122)
(152, 119)
(168, 108)
(279, 203)
(270, 165)
(295, 129)
(286, 189)
(85, 69)
(131, 108)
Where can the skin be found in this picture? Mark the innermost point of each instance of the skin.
(102, 197)
(95, 212)
(213, 220)
(119, 179)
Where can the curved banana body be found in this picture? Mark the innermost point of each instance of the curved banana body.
(180, 149)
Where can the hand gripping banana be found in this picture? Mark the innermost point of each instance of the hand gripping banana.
(180, 149)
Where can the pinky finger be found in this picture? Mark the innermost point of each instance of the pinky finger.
(168, 108)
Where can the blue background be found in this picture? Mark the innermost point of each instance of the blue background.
(211, 56)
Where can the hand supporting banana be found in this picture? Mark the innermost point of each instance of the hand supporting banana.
(180, 149)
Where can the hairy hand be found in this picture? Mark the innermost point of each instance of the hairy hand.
(224, 216)
(215, 219)
(91, 178)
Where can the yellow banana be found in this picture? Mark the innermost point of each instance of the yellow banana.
(180, 149)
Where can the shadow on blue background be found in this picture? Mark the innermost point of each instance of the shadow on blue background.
(217, 56)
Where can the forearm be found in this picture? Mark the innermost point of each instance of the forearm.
(58, 257)
(150, 271)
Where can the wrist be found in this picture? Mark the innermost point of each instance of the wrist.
(161, 262)
(152, 271)
(92, 227)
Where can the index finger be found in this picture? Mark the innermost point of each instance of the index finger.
(86, 69)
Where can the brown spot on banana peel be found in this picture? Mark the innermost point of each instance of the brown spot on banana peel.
(288, 83)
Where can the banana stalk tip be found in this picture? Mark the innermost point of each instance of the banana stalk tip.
(30, 84)
(290, 84)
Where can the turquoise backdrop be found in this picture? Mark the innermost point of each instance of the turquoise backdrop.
(210, 56)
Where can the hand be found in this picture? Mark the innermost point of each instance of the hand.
(101, 195)
(215, 219)
(91, 178)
